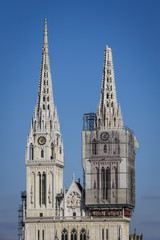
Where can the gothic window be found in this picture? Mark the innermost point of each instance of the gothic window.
(97, 178)
(107, 181)
(60, 150)
(38, 234)
(45, 66)
(57, 141)
(31, 152)
(64, 235)
(48, 107)
(43, 98)
(42, 189)
(74, 234)
(99, 122)
(110, 79)
(119, 233)
(109, 71)
(112, 104)
(103, 182)
(105, 148)
(48, 99)
(111, 96)
(114, 122)
(47, 82)
(43, 107)
(94, 147)
(45, 74)
(107, 95)
(102, 234)
(47, 90)
(107, 104)
(44, 82)
(52, 150)
(111, 88)
(106, 234)
(107, 79)
(42, 153)
(116, 177)
(83, 234)
(42, 234)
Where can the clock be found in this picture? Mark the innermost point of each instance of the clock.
(104, 136)
(41, 140)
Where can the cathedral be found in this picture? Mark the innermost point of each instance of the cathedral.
(102, 208)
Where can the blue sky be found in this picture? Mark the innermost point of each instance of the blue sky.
(78, 32)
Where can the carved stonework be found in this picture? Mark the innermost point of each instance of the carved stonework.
(74, 200)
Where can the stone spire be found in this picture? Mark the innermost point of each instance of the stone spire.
(108, 113)
(45, 114)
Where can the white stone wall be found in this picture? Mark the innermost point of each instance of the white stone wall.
(117, 228)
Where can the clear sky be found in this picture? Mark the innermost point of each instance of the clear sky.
(78, 32)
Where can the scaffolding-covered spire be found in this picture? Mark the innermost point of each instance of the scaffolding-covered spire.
(108, 115)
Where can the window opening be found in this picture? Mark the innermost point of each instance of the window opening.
(83, 234)
(74, 234)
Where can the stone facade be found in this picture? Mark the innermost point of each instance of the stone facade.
(103, 208)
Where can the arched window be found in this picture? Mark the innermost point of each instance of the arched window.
(42, 189)
(31, 152)
(103, 182)
(64, 235)
(48, 99)
(120, 233)
(99, 122)
(107, 181)
(97, 178)
(94, 147)
(47, 90)
(105, 148)
(48, 107)
(83, 234)
(74, 234)
(52, 150)
(42, 153)
(43, 98)
(107, 95)
(114, 122)
(111, 96)
(43, 107)
(112, 104)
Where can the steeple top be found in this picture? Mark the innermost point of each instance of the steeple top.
(45, 40)
(108, 114)
(45, 110)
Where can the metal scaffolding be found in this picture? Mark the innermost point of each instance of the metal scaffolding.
(21, 216)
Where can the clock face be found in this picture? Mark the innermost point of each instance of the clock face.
(41, 140)
(105, 136)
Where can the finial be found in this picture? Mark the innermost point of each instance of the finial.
(45, 31)
(73, 177)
